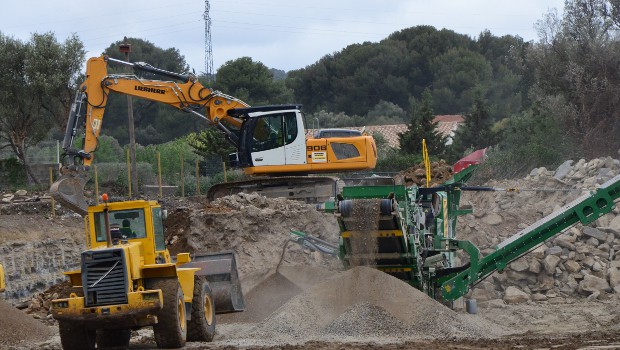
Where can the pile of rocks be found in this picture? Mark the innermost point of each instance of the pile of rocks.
(440, 172)
(583, 262)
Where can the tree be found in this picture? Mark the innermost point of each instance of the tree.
(576, 62)
(210, 142)
(251, 82)
(36, 79)
(475, 133)
(422, 127)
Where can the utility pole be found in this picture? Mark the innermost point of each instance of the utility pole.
(208, 48)
(125, 48)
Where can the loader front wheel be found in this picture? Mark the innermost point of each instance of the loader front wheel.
(73, 336)
(202, 325)
(113, 338)
(171, 328)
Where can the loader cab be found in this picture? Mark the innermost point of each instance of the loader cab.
(270, 136)
(136, 223)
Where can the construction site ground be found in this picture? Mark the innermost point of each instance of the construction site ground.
(297, 299)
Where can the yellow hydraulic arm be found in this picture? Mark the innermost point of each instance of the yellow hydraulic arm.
(184, 93)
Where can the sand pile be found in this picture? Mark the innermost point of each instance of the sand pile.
(365, 302)
(275, 290)
(17, 327)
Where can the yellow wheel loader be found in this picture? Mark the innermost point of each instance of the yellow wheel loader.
(128, 280)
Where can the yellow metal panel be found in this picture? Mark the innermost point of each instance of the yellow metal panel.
(142, 300)
(445, 217)
(186, 279)
(159, 270)
(75, 277)
(395, 269)
(132, 252)
(2, 284)
(378, 233)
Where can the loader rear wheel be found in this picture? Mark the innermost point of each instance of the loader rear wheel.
(202, 325)
(171, 328)
(113, 338)
(73, 336)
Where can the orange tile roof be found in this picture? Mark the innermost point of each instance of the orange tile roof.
(446, 125)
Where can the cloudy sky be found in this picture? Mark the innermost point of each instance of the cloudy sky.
(281, 34)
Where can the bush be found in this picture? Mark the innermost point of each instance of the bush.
(394, 160)
(115, 174)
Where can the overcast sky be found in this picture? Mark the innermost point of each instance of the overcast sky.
(282, 34)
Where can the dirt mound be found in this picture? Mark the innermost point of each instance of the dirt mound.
(17, 327)
(39, 305)
(367, 296)
(416, 175)
(256, 228)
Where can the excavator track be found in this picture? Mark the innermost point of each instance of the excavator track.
(311, 189)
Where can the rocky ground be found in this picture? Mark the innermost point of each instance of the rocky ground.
(563, 295)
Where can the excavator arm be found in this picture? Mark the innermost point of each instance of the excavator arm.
(184, 93)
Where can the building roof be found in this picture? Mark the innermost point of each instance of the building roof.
(446, 125)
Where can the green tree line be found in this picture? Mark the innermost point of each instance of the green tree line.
(534, 103)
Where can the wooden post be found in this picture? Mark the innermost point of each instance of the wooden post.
(182, 177)
(197, 179)
(96, 185)
(51, 182)
(128, 173)
(224, 166)
(159, 174)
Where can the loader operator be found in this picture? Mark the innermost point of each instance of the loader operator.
(126, 229)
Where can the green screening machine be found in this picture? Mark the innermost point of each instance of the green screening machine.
(410, 232)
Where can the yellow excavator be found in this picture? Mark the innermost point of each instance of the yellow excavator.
(271, 141)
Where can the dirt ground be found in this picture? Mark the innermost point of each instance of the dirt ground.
(293, 308)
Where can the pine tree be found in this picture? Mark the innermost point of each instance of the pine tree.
(421, 127)
(475, 133)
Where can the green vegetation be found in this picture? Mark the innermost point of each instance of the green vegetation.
(532, 103)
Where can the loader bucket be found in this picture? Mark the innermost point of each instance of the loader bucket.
(69, 192)
(221, 272)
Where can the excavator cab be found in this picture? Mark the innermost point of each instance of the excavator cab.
(271, 136)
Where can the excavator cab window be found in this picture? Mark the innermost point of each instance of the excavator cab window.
(128, 224)
(268, 133)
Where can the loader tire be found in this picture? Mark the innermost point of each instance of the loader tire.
(171, 328)
(113, 338)
(73, 336)
(202, 325)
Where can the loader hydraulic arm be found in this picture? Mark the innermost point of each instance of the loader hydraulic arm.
(585, 209)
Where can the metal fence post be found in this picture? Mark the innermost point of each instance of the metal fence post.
(51, 182)
(159, 174)
(128, 173)
(96, 185)
(197, 179)
(182, 177)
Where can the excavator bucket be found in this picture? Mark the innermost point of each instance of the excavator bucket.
(221, 272)
(69, 191)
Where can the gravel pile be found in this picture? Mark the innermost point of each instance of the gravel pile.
(17, 327)
(365, 302)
